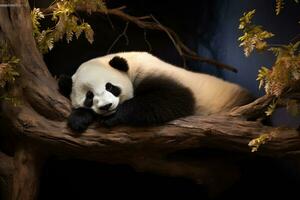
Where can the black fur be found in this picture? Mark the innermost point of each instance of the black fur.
(88, 102)
(119, 63)
(80, 119)
(65, 85)
(115, 90)
(156, 100)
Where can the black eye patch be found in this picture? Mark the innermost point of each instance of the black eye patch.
(113, 89)
(88, 102)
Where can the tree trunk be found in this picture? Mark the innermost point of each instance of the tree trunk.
(40, 119)
(26, 174)
(6, 174)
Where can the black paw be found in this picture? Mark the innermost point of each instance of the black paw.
(65, 85)
(77, 126)
(80, 119)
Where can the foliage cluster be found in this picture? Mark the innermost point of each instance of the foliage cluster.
(8, 66)
(67, 22)
(8, 71)
(282, 77)
(284, 73)
(280, 5)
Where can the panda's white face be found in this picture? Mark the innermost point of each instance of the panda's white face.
(100, 87)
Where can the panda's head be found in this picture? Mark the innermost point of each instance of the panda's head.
(101, 85)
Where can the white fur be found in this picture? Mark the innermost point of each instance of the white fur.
(212, 94)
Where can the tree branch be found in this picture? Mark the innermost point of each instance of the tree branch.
(123, 34)
(182, 49)
(216, 131)
(144, 23)
(253, 110)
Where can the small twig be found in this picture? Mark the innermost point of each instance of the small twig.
(186, 52)
(144, 17)
(175, 43)
(147, 41)
(110, 22)
(121, 8)
(123, 34)
(169, 34)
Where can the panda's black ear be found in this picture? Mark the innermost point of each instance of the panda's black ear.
(119, 63)
(65, 85)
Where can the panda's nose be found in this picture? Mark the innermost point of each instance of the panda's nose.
(106, 107)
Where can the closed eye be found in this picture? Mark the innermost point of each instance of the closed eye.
(115, 90)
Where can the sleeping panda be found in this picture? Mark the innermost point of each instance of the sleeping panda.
(139, 89)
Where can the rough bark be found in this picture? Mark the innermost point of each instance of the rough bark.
(25, 183)
(6, 174)
(40, 119)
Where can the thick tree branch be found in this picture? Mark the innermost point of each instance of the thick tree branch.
(215, 131)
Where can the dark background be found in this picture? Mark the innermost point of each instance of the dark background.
(210, 27)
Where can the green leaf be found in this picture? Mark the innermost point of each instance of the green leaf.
(271, 108)
(36, 15)
(262, 139)
(279, 6)
(263, 73)
(89, 33)
(246, 19)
